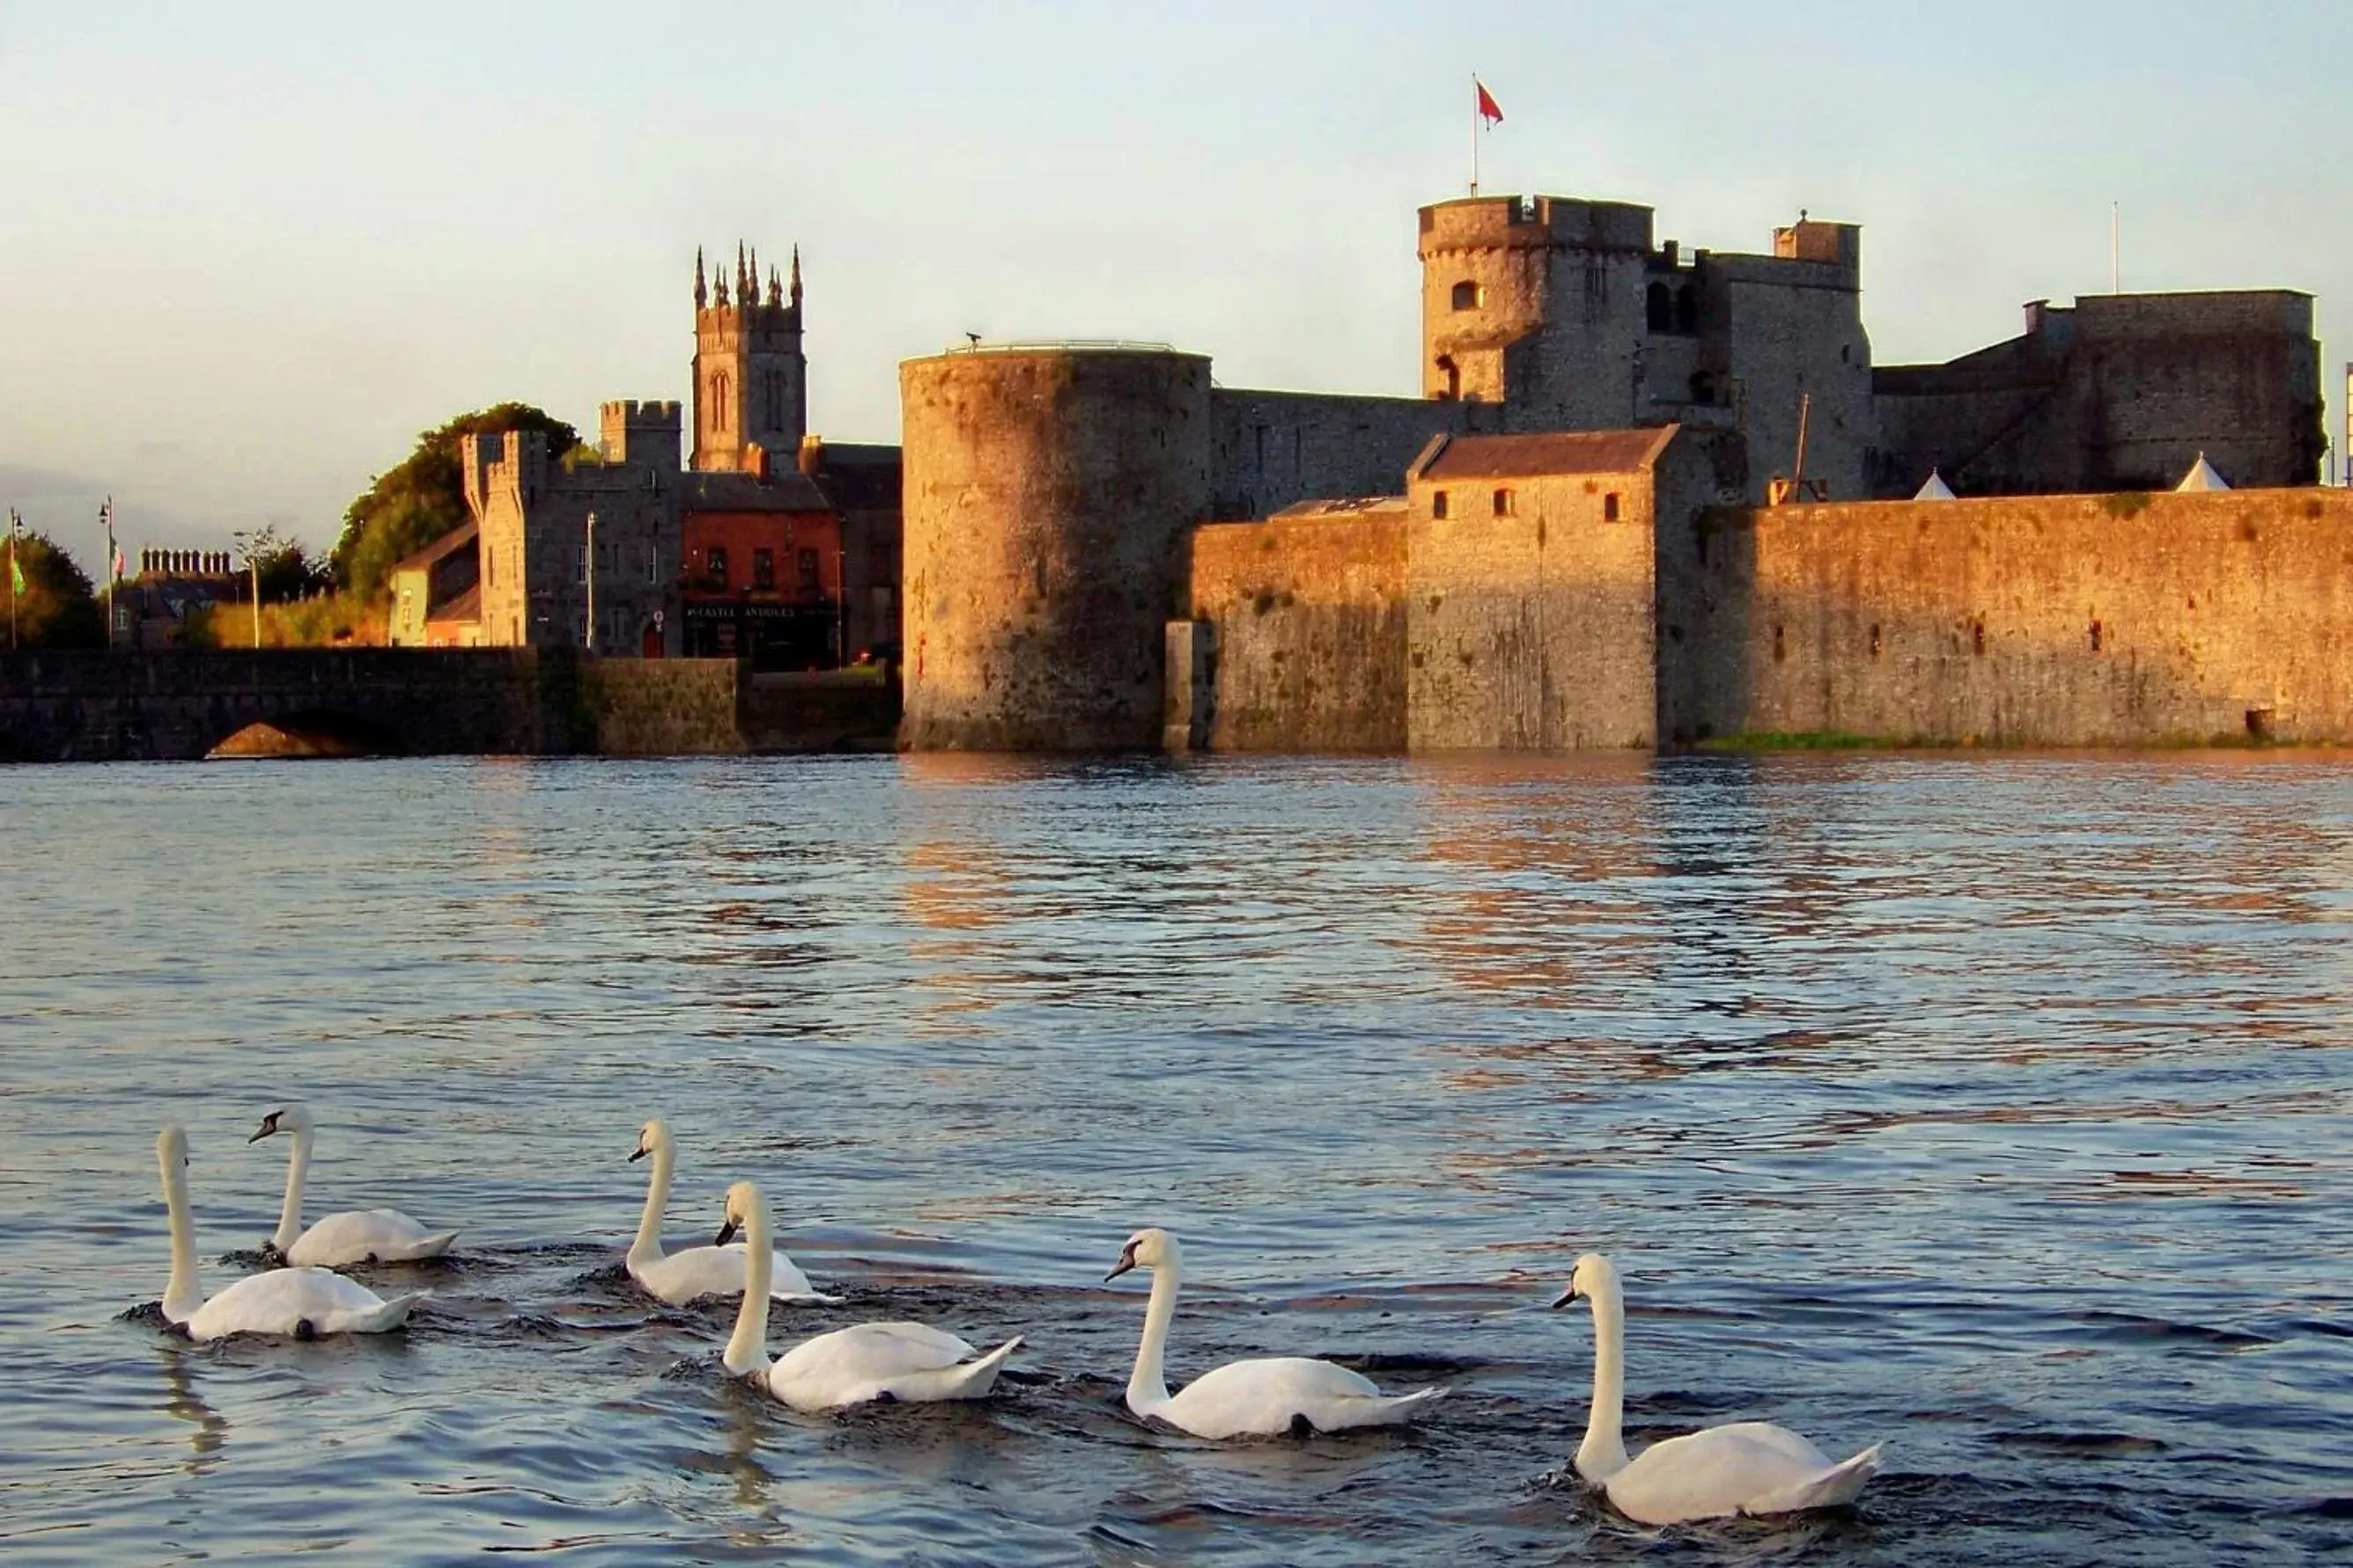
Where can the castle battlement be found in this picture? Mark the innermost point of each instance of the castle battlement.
(1489, 223)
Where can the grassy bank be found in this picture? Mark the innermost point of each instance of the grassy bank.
(334, 620)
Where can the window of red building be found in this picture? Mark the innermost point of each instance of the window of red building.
(764, 568)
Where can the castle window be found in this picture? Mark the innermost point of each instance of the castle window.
(714, 565)
(1453, 377)
(764, 568)
(1438, 504)
(2095, 636)
(1658, 308)
(1609, 507)
(653, 563)
(1506, 504)
(1467, 296)
(1687, 309)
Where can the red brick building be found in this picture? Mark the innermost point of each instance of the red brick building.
(762, 576)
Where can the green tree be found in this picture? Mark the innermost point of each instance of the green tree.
(411, 506)
(287, 572)
(56, 608)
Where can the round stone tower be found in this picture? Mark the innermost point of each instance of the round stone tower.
(1047, 492)
(1536, 302)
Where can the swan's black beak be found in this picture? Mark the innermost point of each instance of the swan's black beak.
(726, 1234)
(1566, 1298)
(1127, 1262)
(639, 1155)
(269, 1125)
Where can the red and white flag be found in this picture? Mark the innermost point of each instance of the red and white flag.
(1489, 109)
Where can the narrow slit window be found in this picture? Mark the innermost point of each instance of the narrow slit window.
(1438, 504)
(1609, 507)
(1505, 503)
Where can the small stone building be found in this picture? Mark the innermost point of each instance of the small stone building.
(582, 553)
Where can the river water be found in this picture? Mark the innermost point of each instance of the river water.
(1999, 1109)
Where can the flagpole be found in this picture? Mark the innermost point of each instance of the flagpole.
(1474, 133)
(106, 515)
(15, 527)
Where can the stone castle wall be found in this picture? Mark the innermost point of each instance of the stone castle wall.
(1274, 448)
(1306, 644)
(2115, 392)
(2060, 620)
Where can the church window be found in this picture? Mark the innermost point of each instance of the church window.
(719, 403)
(1467, 296)
(1438, 504)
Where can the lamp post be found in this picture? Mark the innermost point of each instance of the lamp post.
(588, 576)
(106, 520)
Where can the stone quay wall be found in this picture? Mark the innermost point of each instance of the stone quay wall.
(2115, 620)
(97, 706)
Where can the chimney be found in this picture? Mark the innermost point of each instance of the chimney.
(812, 455)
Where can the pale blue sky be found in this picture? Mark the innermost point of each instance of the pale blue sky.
(247, 250)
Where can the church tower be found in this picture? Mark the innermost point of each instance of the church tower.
(751, 379)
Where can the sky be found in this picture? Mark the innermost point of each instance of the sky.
(247, 251)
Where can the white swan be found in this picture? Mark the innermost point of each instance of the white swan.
(1749, 1466)
(679, 1277)
(303, 1302)
(849, 1366)
(355, 1235)
(1244, 1398)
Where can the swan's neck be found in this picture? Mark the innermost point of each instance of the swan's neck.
(1147, 1385)
(648, 1247)
(747, 1348)
(290, 1213)
(185, 1292)
(1603, 1452)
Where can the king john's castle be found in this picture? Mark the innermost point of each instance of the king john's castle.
(1642, 495)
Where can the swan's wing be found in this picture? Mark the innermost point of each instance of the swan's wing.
(883, 1349)
(1840, 1483)
(787, 1282)
(849, 1366)
(1713, 1474)
(679, 1277)
(282, 1302)
(362, 1235)
(1269, 1396)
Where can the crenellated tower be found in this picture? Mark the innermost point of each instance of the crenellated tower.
(751, 378)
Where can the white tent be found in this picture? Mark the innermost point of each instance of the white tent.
(1936, 489)
(2202, 476)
